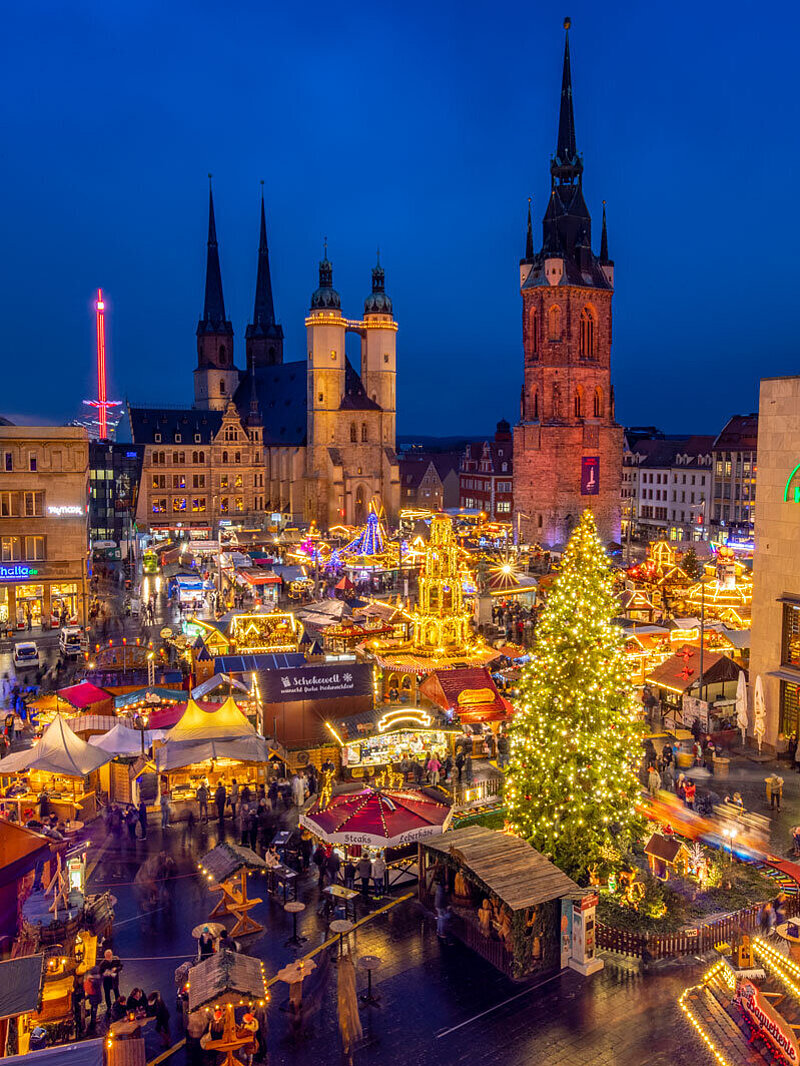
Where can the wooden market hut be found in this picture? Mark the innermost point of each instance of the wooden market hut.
(679, 676)
(63, 766)
(21, 981)
(87, 698)
(505, 896)
(468, 692)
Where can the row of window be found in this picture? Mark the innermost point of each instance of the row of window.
(15, 549)
(198, 504)
(500, 506)
(587, 345)
(744, 513)
(21, 504)
(578, 403)
(657, 513)
(179, 458)
(486, 486)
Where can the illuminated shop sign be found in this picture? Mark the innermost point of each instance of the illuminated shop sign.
(64, 511)
(17, 571)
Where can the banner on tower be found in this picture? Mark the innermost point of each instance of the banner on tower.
(590, 475)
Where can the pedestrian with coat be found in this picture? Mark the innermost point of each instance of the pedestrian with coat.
(220, 798)
(202, 799)
(364, 873)
(142, 813)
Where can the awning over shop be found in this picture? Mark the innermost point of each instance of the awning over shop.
(175, 756)
(83, 1053)
(258, 577)
(225, 722)
(167, 717)
(20, 985)
(85, 695)
(154, 695)
(468, 692)
(681, 671)
(58, 752)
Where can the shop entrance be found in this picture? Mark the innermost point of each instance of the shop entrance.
(30, 600)
(64, 604)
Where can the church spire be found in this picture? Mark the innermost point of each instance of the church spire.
(213, 320)
(264, 336)
(604, 239)
(529, 236)
(566, 149)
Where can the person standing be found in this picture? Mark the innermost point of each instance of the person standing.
(503, 750)
(131, 821)
(109, 972)
(164, 804)
(220, 798)
(202, 799)
(468, 769)
(364, 872)
(92, 987)
(434, 767)
(143, 818)
(234, 798)
(689, 792)
(379, 875)
(653, 780)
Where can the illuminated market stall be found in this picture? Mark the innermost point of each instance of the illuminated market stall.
(383, 738)
(211, 747)
(685, 694)
(59, 774)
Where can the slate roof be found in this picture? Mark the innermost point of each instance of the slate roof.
(665, 452)
(281, 396)
(145, 422)
(741, 431)
(355, 395)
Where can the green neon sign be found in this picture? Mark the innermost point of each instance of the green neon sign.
(796, 494)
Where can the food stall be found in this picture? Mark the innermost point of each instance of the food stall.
(388, 735)
(685, 695)
(209, 747)
(60, 772)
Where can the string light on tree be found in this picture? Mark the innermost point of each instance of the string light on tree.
(571, 785)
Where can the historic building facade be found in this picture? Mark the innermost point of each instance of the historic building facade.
(567, 444)
(313, 439)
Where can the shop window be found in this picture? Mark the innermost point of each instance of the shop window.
(790, 644)
(789, 717)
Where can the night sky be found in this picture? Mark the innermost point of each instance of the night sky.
(419, 127)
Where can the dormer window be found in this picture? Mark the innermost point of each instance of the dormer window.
(157, 438)
(177, 438)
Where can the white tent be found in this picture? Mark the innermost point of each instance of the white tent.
(242, 749)
(122, 740)
(58, 752)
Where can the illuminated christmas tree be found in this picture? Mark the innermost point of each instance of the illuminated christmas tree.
(571, 784)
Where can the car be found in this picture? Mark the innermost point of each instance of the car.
(69, 641)
(26, 654)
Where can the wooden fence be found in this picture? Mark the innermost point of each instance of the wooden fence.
(689, 941)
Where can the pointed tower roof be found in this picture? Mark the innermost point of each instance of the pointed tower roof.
(529, 236)
(604, 239)
(213, 320)
(254, 414)
(263, 324)
(566, 149)
(378, 303)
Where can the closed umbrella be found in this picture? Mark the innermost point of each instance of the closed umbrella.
(741, 706)
(760, 712)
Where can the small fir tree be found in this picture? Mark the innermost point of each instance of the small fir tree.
(690, 565)
(571, 785)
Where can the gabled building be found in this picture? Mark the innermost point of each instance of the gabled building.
(666, 487)
(486, 475)
(735, 457)
(430, 481)
(313, 439)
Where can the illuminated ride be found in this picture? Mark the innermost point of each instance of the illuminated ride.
(102, 403)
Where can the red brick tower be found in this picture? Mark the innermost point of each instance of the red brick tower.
(567, 445)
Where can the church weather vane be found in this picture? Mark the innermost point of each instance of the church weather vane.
(102, 403)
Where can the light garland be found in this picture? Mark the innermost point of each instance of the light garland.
(712, 1047)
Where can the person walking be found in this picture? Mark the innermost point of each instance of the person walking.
(319, 859)
(334, 865)
(202, 799)
(164, 804)
(434, 767)
(379, 875)
(689, 792)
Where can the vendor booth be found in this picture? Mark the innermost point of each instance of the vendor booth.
(510, 904)
(386, 736)
(87, 698)
(57, 775)
(211, 747)
(678, 680)
(468, 693)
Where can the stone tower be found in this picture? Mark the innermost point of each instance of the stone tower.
(379, 353)
(216, 377)
(264, 336)
(567, 445)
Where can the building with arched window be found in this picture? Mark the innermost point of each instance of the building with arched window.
(567, 444)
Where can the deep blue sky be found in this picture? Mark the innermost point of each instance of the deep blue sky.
(419, 126)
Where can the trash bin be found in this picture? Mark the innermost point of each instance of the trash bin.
(721, 766)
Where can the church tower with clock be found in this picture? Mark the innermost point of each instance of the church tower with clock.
(567, 444)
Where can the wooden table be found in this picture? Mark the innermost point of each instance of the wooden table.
(341, 927)
(369, 963)
(347, 895)
(294, 907)
(126, 1028)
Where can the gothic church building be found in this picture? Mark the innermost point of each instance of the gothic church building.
(312, 438)
(567, 445)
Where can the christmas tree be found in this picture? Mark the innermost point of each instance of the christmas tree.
(571, 785)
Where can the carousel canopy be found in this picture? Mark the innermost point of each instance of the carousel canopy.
(122, 740)
(225, 723)
(58, 752)
(378, 818)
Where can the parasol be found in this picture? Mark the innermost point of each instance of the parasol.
(377, 818)
(741, 706)
(760, 712)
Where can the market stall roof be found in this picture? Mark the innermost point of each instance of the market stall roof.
(58, 752)
(377, 818)
(21, 985)
(226, 977)
(153, 694)
(84, 695)
(217, 681)
(224, 723)
(122, 740)
(507, 865)
(167, 717)
(682, 670)
(82, 1053)
(247, 664)
(225, 860)
(469, 691)
(176, 755)
(737, 638)
(259, 577)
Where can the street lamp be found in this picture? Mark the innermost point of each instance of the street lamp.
(142, 719)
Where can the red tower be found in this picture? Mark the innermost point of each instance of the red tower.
(567, 445)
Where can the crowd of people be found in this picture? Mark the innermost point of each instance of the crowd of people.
(101, 984)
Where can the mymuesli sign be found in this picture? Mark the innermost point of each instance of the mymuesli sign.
(324, 682)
